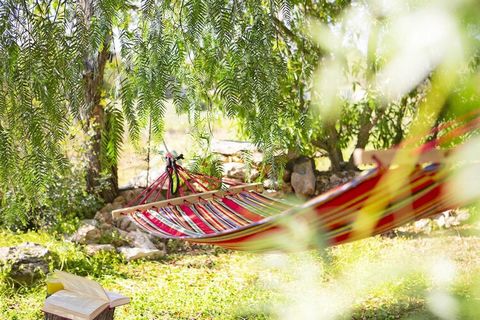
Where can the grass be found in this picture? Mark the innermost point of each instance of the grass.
(378, 278)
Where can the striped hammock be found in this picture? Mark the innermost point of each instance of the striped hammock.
(245, 219)
(242, 218)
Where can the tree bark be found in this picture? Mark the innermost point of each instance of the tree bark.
(363, 135)
(332, 145)
(366, 126)
(94, 72)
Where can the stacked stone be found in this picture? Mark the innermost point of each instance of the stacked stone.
(104, 233)
(232, 156)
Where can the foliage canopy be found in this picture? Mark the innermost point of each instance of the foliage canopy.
(111, 65)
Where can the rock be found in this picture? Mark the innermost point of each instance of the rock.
(238, 171)
(257, 158)
(104, 217)
(441, 220)
(130, 195)
(120, 199)
(236, 159)
(335, 180)
(423, 225)
(105, 227)
(275, 194)
(125, 223)
(303, 177)
(451, 221)
(107, 208)
(26, 262)
(254, 174)
(117, 205)
(451, 218)
(93, 249)
(140, 253)
(287, 176)
(291, 162)
(117, 237)
(327, 180)
(230, 147)
(270, 184)
(160, 243)
(462, 215)
(140, 239)
(141, 179)
(287, 188)
(87, 233)
(235, 170)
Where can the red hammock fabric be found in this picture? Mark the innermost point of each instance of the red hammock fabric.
(254, 222)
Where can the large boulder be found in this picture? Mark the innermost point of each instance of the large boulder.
(87, 233)
(26, 262)
(107, 208)
(293, 158)
(303, 177)
(139, 239)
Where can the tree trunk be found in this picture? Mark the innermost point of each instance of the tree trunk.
(336, 158)
(108, 188)
(94, 72)
(366, 126)
(332, 145)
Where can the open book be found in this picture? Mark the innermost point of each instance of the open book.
(81, 298)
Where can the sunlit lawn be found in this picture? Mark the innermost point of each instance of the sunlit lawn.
(378, 278)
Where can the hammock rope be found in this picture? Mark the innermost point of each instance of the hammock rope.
(177, 180)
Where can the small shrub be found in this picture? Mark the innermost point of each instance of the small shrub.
(58, 207)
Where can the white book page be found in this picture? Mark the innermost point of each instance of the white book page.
(81, 285)
(116, 299)
(74, 305)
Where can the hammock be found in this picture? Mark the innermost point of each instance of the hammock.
(242, 218)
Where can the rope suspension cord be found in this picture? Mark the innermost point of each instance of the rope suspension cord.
(165, 146)
(149, 148)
